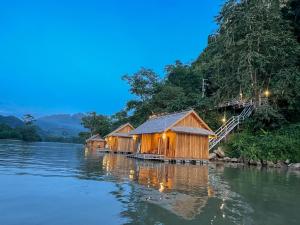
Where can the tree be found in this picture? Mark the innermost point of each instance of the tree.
(28, 119)
(97, 124)
(29, 130)
(142, 83)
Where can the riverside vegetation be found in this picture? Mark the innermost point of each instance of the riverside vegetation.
(255, 48)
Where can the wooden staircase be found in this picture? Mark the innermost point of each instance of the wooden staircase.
(229, 126)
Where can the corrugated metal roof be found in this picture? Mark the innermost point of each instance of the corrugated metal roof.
(192, 130)
(159, 124)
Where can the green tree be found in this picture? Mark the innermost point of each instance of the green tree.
(97, 124)
(142, 83)
(29, 130)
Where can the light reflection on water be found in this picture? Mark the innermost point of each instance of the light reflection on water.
(114, 189)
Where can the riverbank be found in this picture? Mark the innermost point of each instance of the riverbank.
(219, 156)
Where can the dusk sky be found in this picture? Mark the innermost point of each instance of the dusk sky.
(69, 56)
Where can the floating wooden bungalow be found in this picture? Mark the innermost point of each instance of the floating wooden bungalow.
(95, 142)
(120, 140)
(182, 135)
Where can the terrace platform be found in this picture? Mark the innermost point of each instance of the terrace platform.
(162, 158)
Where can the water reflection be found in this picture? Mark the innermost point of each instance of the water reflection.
(181, 189)
(139, 192)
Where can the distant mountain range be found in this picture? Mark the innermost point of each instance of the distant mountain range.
(65, 125)
(62, 125)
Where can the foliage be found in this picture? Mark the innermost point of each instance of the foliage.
(254, 49)
(142, 83)
(279, 145)
(97, 124)
(27, 132)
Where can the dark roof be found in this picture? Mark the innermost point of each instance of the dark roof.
(160, 123)
(95, 137)
(192, 130)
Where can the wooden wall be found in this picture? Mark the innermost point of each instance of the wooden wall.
(120, 144)
(191, 146)
(175, 145)
(96, 144)
(190, 121)
(125, 129)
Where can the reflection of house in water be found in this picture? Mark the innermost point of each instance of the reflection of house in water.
(180, 189)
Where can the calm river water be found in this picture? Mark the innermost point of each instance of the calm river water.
(52, 183)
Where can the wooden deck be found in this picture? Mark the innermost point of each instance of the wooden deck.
(162, 158)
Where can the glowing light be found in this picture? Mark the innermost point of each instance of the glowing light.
(164, 135)
(161, 187)
(223, 119)
(267, 93)
(134, 137)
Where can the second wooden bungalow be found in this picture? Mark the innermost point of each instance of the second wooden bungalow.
(182, 135)
(120, 140)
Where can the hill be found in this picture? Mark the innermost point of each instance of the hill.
(64, 125)
(11, 121)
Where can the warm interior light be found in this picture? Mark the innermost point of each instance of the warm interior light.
(164, 135)
(267, 93)
(134, 137)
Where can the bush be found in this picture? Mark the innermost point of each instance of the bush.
(277, 145)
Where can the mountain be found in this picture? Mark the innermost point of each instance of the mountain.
(65, 125)
(11, 121)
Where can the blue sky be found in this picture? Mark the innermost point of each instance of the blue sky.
(61, 56)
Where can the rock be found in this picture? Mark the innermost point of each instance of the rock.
(258, 163)
(264, 162)
(212, 156)
(227, 159)
(220, 153)
(252, 162)
(295, 166)
(280, 164)
(270, 164)
(234, 160)
(287, 162)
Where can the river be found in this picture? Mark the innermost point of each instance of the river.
(55, 183)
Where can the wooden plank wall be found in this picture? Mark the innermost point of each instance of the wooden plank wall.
(191, 146)
(149, 143)
(125, 144)
(125, 129)
(96, 144)
(190, 121)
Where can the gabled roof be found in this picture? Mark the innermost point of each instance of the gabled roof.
(163, 123)
(95, 137)
(117, 133)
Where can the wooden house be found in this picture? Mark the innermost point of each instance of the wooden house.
(95, 142)
(120, 140)
(182, 135)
